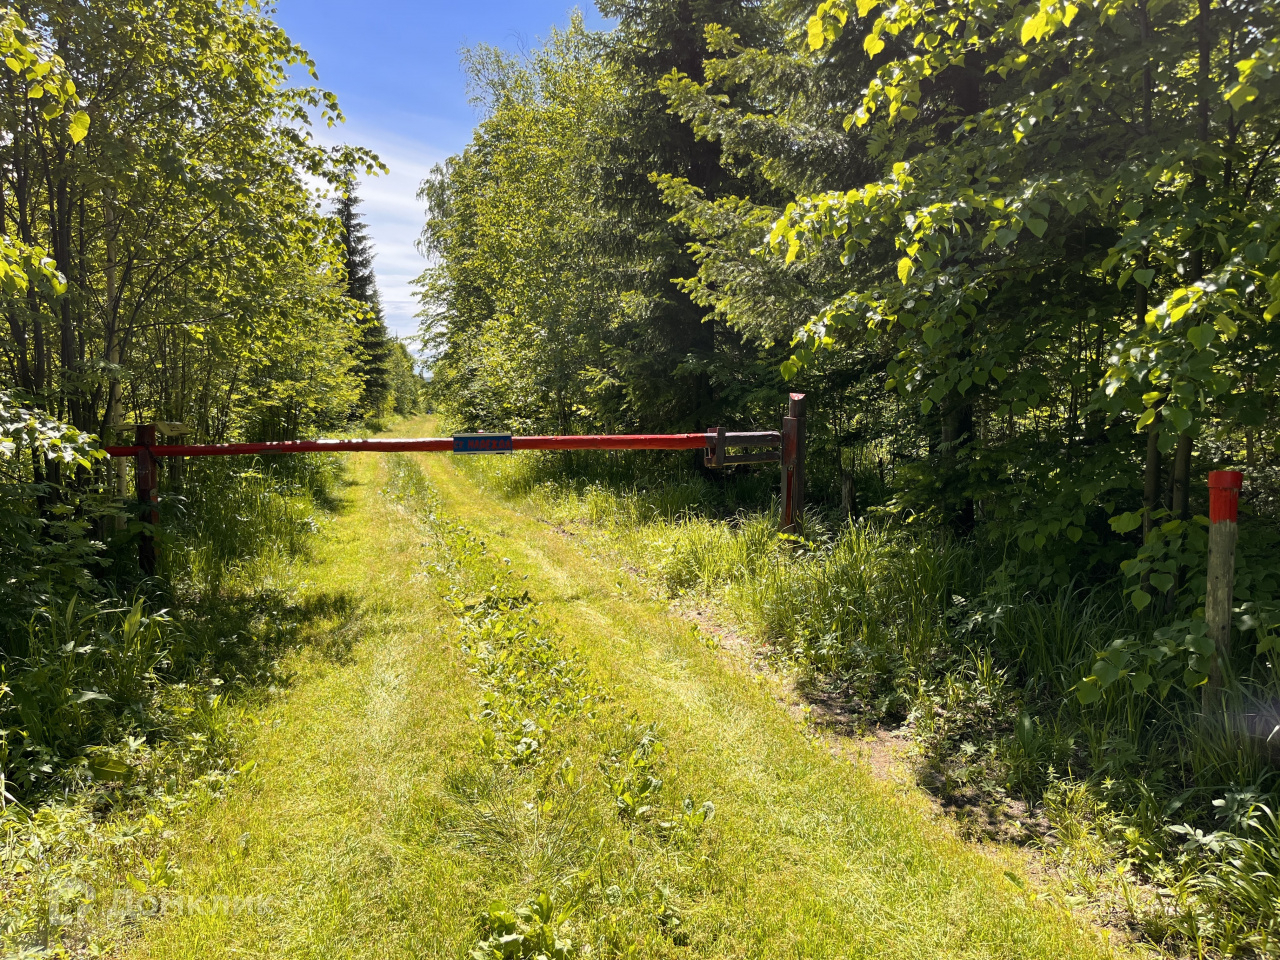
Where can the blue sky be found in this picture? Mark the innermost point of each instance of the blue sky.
(394, 66)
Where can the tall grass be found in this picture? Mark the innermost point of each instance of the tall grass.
(916, 629)
(229, 512)
(119, 709)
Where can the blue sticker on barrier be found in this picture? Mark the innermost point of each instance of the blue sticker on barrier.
(482, 443)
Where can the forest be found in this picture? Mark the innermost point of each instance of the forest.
(1023, 260)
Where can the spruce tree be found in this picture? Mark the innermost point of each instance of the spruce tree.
(679, 364)
(373, 367)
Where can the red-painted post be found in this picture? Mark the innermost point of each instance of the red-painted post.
(792, 466)
(147, 483)
(1224, 499)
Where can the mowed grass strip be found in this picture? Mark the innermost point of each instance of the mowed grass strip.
(337, 841)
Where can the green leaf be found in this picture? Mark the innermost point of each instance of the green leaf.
(1088, 692)
(1240, 94)
(1202, 336)
(1140, 599)
(1033, 28)
(108, 768)
(1144, 277)
(817, 33)
(1180, 417)
(1125, 522)
(1106, 673)
(79, 127)
(1200, 643)
(1037, 226)
(905, 266)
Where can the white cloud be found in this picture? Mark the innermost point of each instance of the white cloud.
(394, 215)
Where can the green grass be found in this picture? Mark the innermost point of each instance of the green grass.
(390, 804)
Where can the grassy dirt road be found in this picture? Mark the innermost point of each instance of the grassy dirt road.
(659, 800)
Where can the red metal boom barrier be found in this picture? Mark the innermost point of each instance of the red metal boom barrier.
(640, 441)
(790, 441)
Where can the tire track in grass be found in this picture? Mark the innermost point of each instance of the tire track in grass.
(572, 799)
(337, 833)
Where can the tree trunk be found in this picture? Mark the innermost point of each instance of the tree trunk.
(113, 418)
(957, 432)
(1151, 479)
(848, 494)
(1179, 503)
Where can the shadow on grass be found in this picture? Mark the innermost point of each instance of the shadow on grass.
(242, 638)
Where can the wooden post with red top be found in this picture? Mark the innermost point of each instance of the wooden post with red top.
(793, 466)
(147, 484)
(1224, 499)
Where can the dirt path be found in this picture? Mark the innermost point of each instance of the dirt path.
(375, 826)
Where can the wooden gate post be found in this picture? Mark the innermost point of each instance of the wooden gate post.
(1224, 498)
(793, 466)
(147, 484)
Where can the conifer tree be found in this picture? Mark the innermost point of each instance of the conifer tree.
(373, 367)
(680, 365)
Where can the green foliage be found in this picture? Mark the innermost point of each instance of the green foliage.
(50, 552)
(407, 387)
(515, 310)
(169, 262)
(40, 77)
(116, 717)
(1029, 290)
(192, 273)
(530, 931)
(557, 302)
(80, 672)
(1016, 176)
(375, 346)
(83, 673)
(231, 512)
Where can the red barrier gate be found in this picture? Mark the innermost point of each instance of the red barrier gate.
(789, 453)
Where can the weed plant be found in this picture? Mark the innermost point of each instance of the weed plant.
(1136, 794)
